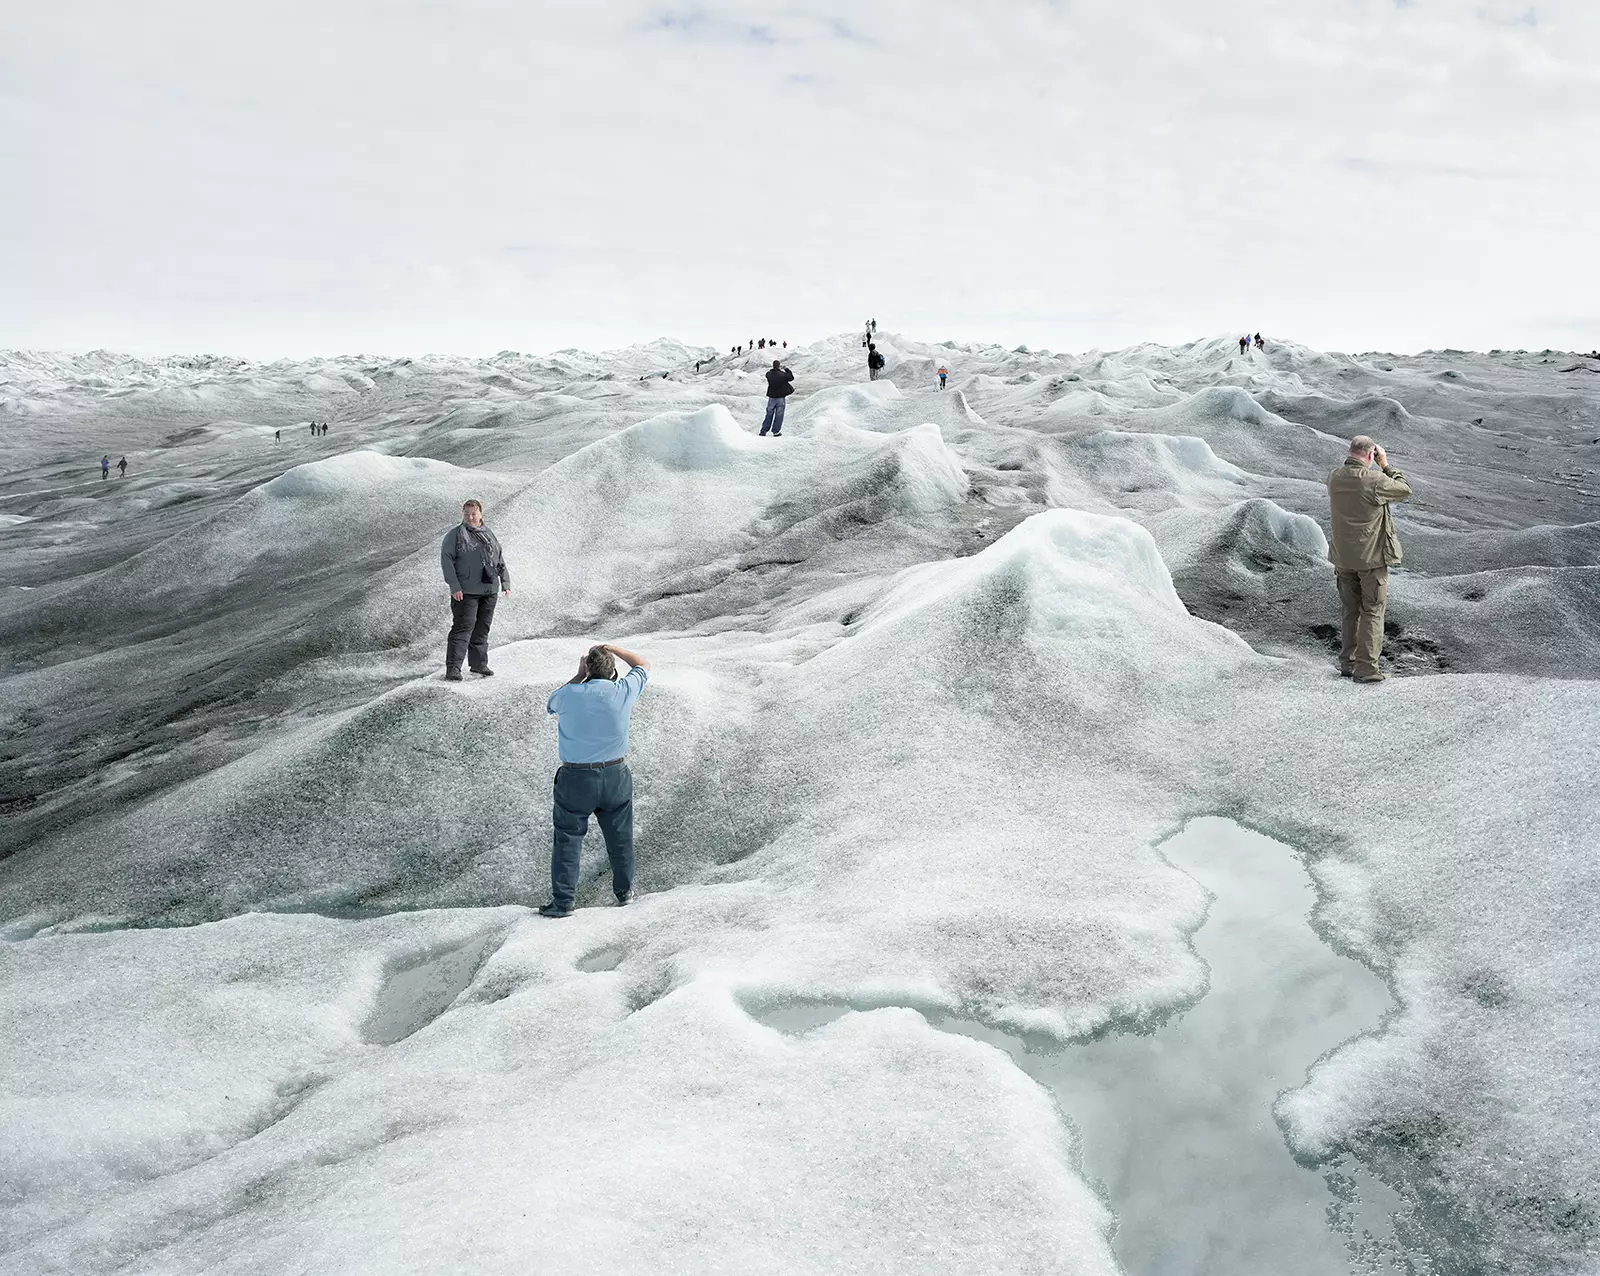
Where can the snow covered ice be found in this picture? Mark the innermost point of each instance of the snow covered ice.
(935, 677)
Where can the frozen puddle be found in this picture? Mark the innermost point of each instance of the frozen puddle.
(1176, 1126)
(419, 991)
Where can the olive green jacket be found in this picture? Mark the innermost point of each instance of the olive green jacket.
(1363, 526)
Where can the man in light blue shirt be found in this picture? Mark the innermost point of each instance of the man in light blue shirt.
(592, 714)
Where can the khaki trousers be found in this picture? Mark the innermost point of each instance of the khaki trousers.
(1364, 594)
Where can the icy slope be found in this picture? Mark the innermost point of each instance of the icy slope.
(934, 673)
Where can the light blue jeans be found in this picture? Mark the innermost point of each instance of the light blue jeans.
(774, 419)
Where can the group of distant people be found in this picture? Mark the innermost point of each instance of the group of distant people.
(105, 467)
(1246, 342)
(756, 343)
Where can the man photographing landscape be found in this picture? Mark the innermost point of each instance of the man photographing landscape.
(592, 713)
(1363, 547)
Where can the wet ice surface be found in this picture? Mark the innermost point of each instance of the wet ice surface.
(1177, 1124)
(934, 677)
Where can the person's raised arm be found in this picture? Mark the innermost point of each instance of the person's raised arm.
(633, 658)
(1393, 485)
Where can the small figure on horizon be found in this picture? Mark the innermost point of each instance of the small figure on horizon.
(874, 362)
(780, 385)
(1244, 344)
(1260, 344)
(943, 373)
(762, 344)
(473, 563)
(592, 712)
(1363, 547)
(786, 344)
(277, 436)
(105, 466)
(872, 326)
(122, 468)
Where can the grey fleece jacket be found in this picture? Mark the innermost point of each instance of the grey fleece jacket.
(463, 562)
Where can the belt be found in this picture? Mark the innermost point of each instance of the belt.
(594, 766)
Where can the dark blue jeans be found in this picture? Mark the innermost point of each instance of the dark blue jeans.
(608, 796)
(774, 419)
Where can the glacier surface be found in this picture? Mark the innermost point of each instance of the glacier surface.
(936, 674)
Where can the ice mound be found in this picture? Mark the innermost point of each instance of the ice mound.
(709, 439)
(361, 474)
(1254, 536)
(593, 521)
(1171, 468)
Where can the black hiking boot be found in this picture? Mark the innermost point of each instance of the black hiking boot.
(553, 909)
(624, 899)
(485, 672)
(452, 675)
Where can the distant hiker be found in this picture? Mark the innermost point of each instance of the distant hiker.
(943, 373)
(313, 425)
(1260, 344)
(105, 467)
(1244, 343)
(1363, 548)
(780, 385)
(277, 436)
(122, 468)
(866, 333)
(874, 362)
(697, 365)
(324, 429)
(592, 714)
(872, 325)
(762, 344)
(472, 561)
(785, 345)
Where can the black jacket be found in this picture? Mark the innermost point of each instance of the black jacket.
(465, 564)
(780, 383)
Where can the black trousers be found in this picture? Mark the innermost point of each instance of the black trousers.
(471, 615)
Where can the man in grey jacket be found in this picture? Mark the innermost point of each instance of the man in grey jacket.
(474, 569)
(1363, 547)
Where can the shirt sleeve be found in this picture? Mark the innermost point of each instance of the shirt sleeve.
(1391, 487)
(632, 685)
(552, 705)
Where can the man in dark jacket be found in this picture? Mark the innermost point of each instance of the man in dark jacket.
(1363, 547)
(780, 385)
(473, 569)
(874, 362)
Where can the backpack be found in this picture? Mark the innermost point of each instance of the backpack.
(875, 360)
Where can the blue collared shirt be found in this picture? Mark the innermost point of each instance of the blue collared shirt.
(592, 717)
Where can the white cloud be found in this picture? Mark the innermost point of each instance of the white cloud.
(470, 176)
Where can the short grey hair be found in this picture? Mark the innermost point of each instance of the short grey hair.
(1361, 445)
(601, 663)
(474, 503)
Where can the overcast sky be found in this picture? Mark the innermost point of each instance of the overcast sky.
(411, 176)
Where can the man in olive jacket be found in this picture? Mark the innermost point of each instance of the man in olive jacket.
(1363, 548)
(474, 569)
